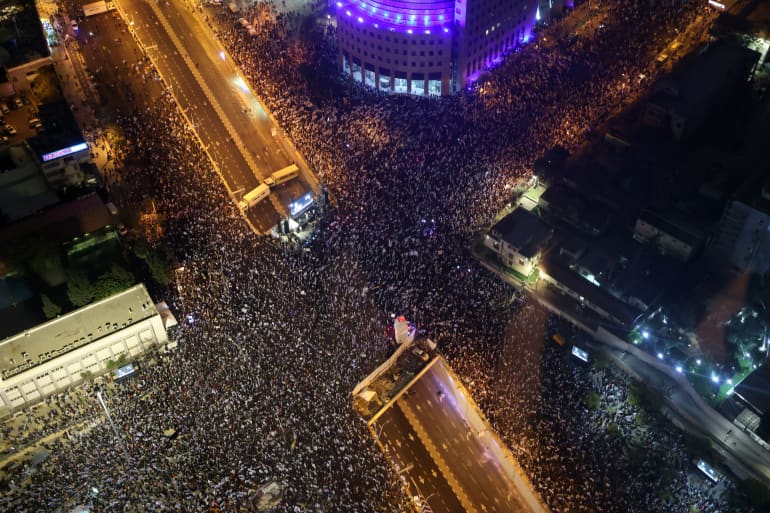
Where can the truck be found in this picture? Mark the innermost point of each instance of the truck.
(254, 196)
(282, 175)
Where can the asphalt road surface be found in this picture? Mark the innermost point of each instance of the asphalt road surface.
(229, 121)
(435, 427)
(413, 462)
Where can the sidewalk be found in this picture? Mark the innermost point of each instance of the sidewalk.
(79, 92)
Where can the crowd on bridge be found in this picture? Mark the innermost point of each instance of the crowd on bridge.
(272, 343)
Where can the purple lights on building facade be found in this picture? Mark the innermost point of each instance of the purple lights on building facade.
(428, 47)
(411, 17)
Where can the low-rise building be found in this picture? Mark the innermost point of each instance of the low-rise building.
(752, 403)
(52, 356)
(62, 149)
(519, 240)
(742, 238)
(587, 293)
(23, 187)
(684, 100)
(562, 203)
(670, 233)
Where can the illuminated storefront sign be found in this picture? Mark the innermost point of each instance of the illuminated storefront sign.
(65, 151)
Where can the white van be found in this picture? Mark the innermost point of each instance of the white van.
(254, 196)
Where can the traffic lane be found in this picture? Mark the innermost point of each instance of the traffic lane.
(263, 215)
(474, 452)
(223, 150)
(712, 424)
(248, 117)
(482, 477)
(267, 147)
(109, 48)
(223, 82)
(227, 103)
(190, 95)
(404, 446)
(235, 100)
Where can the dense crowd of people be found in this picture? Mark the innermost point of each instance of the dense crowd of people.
(271, 344)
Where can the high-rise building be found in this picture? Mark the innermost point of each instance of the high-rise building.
(429, 47)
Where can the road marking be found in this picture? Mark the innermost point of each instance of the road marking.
(153, 61)
(438, 460)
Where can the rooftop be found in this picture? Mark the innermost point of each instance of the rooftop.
(625, 313)
(23, 26)
(63, 221)
(61, 129)
(23, 188)
(755, 390)
(46, 341)
(693, 89)
(523, 230)
(674, 225)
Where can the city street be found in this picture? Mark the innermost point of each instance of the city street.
(271, 342)
(231, 124)
(435, 418)
(413, 462)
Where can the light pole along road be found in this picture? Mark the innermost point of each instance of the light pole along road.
(232, 126)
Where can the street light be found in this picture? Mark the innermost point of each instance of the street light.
(112, 424)
(178, 286)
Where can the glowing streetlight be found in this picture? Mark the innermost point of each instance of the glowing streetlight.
(112, 424)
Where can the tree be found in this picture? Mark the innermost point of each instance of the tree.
(758, 493)
(50, 309)
(158, 269)
(593, 401)
(697, 445)
(633, 396)
(37, 255)
(117, 279)
(80, 292)
(45, 85)
(141, 249)
(158, 261)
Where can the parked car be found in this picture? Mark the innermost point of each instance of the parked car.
(17, 101)
(4, 108)
(10, 129)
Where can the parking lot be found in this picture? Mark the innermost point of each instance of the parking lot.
(18, 118)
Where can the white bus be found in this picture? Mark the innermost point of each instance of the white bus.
(254, 196)
(282, 175)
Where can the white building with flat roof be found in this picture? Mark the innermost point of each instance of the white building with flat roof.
(52, 356)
